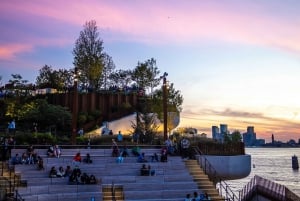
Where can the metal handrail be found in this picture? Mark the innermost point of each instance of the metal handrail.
(213, 176)
(18, 197)
(113, 191)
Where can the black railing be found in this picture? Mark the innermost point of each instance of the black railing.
(224, 189)
(18, 197)
(113, 192)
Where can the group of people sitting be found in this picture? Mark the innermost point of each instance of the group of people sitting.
(75, 176)
(154, 157)
(28, 157)
(54, 151)
(61, 172)
(197, 197)
(136, 151)
(77, 159)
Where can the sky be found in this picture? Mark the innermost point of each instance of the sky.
(235, 62)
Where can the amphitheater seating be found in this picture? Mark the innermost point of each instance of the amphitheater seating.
(171, 181)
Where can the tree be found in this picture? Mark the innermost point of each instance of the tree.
(108, 69)
(65, 79)
(17, 83)
(120, 78)
(88, 55)
(146, 75)
(174, 101)
(236, 136)
(146, 127)
(45, 115)
(56, 79)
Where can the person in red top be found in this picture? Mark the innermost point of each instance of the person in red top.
(77, 159)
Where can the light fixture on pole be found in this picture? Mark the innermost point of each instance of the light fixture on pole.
(75, 106)
(165, 105)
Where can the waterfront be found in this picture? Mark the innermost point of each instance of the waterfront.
(274, 164)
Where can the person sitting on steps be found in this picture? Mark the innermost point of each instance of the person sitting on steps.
(68, 171)
(87, 159)
(144, 170)
(154, 158)
(141, 158)
(77, 159)
(93, 179)
(61, 172)
(164, 155)
(115, 149)
(151, 172)
(40, 163)
(136, 150)
(124, 151)
(53, 172)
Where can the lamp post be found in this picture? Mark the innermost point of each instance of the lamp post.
(75, 107)
(165, 105)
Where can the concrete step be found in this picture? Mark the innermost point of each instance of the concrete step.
(202, 180)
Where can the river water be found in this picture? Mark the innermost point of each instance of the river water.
(274, 164)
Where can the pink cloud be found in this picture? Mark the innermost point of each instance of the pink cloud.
(8, 52)
(172, 21)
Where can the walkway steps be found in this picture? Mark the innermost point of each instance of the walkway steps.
(172, 180)
(108, 195)
(202, 180)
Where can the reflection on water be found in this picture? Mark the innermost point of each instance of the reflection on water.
(274, 164)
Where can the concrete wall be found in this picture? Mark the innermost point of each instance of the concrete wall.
(228, 167)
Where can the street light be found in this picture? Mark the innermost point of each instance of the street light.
(165, 106)
(75, 106)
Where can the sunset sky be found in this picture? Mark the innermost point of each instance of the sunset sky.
(235, 62)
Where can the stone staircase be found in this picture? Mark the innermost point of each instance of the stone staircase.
(202, 180)
(171, 182)
(9, 180)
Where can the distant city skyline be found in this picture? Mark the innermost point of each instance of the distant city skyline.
(235, 62)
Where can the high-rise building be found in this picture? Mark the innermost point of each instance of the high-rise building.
(219, 134)
(215, 131)
(223, 129)
(249, 138)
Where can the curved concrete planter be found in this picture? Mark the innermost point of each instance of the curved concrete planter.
(227, 167)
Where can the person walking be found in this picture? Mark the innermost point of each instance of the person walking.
(185, 144)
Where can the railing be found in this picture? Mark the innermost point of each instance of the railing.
(113, 192)
(262, 186)
(213, 176)
(18, 197)
(11, 183)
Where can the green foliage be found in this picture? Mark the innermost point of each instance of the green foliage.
(174, 101)
(45, 115)
(88, 55)
(120, 78)
(49, 78)
(82, 118)
(236, 136)
(18, 84)
(35, 138)
(125, 106)
(146, 74)
(145, 127)
(108, 68)
(90, 118)
(96, 114)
